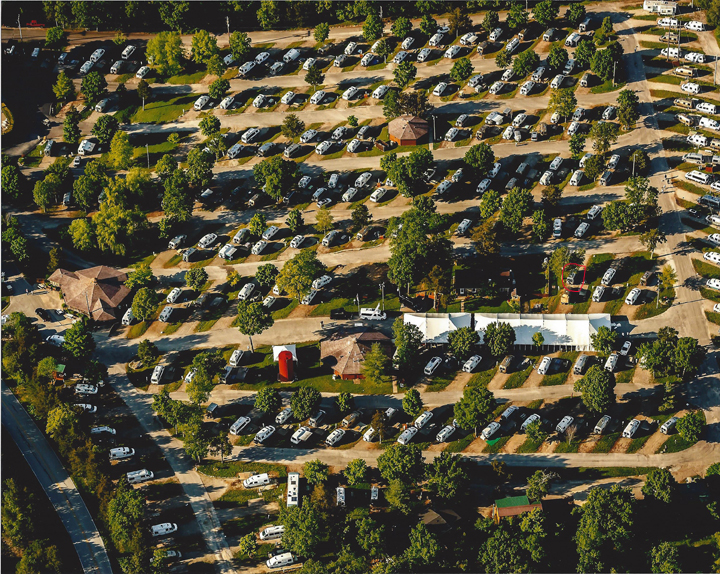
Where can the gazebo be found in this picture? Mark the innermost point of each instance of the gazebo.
(408, 130)
(97, 292)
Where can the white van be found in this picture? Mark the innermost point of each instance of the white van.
(272, 532)
(631, 428)
(284, 416)
(121, 452)
(301, 435)
(632, 297)
(174, 294)
(239, 425)
(608, 277)
(556, 163)
(157, 375)
(369, 434)
(572, 40)
(495, 35)
(137, 476)
(668, 425)
(690, 88)
(528, 421)
(595, 210)
(699, 177)
(165, 314)
(557, 228)
(291, 55)
(246, 291)
(257, 480)
(598, 294)
(602, 424)
(544, 366)
(563, 425)
(372, 314)
(579, 366)
(611, 362)
(407, 435)
(695, 26)
(581, 230)
(128, 317)
(423, 419)
(490, 430)
(435, 40)
(281, 560)
(577, 177)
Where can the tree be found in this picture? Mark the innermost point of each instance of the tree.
(404, 463)
(141, 276)
(604, 61)
(121, 151)
(199, 167)
(144, 304)
(563, 102)
(257, 224)
(79, 342)
(604, 135)
(628, 112)
(165, 51)
(514, 208)
(690, 426)
(605, 532)
(584, 53)
(54, 37)
(209, 126)
(268, 400)
(143, 91)
(47, 367)
(253, 320)
(412, 403)
(275, 175)
(524, 63)
(490, 21)
(480, 159)
(321, 32)
(535, 432)
(268, 15)
(356, 471)
(408, 339)
(541, 225)
(203, 46)
(538, 340)
(428, 25)
(597, 388)
(399, 496)
(557, 58)
(552, 195)
(459, 22)
(18, 514)
(575, 14)
(651, 239)
(117, 228)
(372, 28)
(461, 70)
(305, 527)
(240, 45)
(71, 131)
(665, 558)
(248, 545)
(490, 203)
(266, 274)
(82, 234)
(195, 278)
(475, 409)
(503, 59)
(315, 471)
(545, 12)
(640, 161)
(314, 77)
(297, 275)
(404, 74)
(61, 420)
(360, 216)
(462, 342)
(604, 341)
(39, 556)
(499, 338)
(424, 548)
(105, 128)
(177, 201)
(447, 476)
(577, 145)
(218, 89)
(304, 402)
(147, 352)
(376, 365)
(292, 126)
(94, 87)
(660, 485)
(594, 166)
(401, 27)
(324, 221)
(64, 88)
(12, 182)
(538, 485)
(517, 17)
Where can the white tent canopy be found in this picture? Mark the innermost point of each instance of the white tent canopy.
(436, 326)
(277, 349)
(571, 331)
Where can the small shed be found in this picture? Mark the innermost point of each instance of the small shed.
(408, 130)
(512, 506)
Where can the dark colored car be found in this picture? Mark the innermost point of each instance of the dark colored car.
(339, 314)
(43, 314)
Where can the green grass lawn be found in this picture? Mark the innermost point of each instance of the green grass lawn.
(495, 446)
(230, 469)
(158, 112)
(517, 379)
(460, 444)
(568, 446)
(529, 446)
(606, 442)
(675, 443)
(636, 444)
(559, 378)
(483, 378)
(625, 377)
(138, 329)
(187, 78)
(706, 269)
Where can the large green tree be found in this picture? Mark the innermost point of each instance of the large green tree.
(597, 388)
(499, 338)
(79, 342)
(297, 275)
(462, 342)
(475, 409)
(304, 402)
(253, 320)
(402, 462)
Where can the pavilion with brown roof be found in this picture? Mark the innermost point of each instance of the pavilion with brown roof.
(408, 130)
(346, 350)
(96, 292)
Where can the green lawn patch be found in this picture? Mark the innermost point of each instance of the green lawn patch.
(187, 78)
(460, 444)
(138, 329)
(483, 378)
(230, 469)
(652, 308)
(713, 317)
(636, 444)
(529, 446)
(705, 269)
(559, 378)
(606, 442)
(163, 111)
(286, 310)
(568, 446)
(710, 294)
(607, 86)
(517, 379)
(675, 443)
(494, 446)
(625, 377)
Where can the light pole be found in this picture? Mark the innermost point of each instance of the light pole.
(19, 27)
(382, 288)
(147, 152)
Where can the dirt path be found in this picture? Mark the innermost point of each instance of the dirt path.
(459, 382)
(589, 444)
(514, 443)
(476, 446)
(652, 444)
(621, 445)
(534, 380)
(643, 378)
(548, 447)
(498, 381)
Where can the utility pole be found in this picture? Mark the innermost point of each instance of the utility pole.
(715, 76)
(20, 27)
(227, 21)
(382, 288)
(147, 152)
(614, 64)
(143, 103)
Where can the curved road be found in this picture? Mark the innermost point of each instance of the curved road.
(57, 484)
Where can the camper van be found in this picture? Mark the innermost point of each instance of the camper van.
(585, 25)
(137, 476)
(372, 314)
(281, 560)
(257, 480)
(128, 317)
(121, 452)
(272, 533)
(602, 424)
(564, 424)
(579, 367)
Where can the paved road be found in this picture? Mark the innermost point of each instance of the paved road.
(57, 484)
